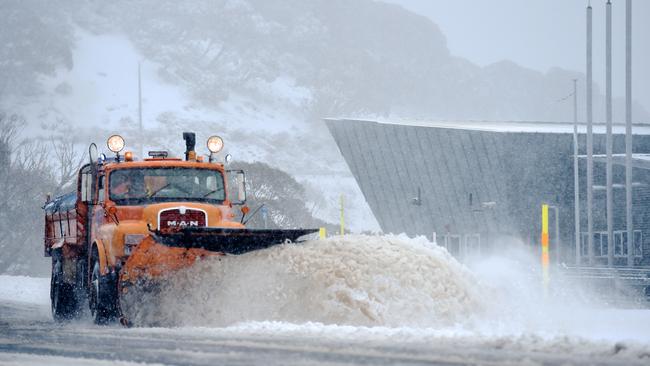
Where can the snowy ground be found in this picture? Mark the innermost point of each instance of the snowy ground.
(353, 300)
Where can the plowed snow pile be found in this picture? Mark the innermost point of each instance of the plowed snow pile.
(352, 280)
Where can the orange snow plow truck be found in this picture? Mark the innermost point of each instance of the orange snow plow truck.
(131, 222)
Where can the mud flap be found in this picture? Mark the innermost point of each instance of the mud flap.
(107, 297)
(64, 303)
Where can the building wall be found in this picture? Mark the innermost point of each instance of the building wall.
(477, 182)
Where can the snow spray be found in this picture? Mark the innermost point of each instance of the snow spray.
(353, 280)
(380, 281)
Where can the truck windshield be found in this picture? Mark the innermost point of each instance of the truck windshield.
(150, 185)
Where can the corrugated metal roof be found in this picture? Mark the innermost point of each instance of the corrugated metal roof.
(510, 126)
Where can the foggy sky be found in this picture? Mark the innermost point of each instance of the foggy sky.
(540, 34)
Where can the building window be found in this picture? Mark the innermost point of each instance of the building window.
(472, 244)
(638, 241)
(618, 244)
(601, 244)
(621, 243)
(452, 243)
(604, 244)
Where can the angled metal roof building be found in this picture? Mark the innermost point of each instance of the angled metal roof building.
(475, 184)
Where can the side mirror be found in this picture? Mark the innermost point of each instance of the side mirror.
(241, 187)
(237, 180)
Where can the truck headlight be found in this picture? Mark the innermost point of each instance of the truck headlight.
(215, 144)
(115, 143)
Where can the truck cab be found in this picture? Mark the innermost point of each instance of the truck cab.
(119, 202)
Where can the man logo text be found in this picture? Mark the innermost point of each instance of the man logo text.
(182, 223)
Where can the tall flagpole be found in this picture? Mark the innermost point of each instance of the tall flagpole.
(608, 142)
(576, 173)
(141, 137)
(590, 143)
(628, 132)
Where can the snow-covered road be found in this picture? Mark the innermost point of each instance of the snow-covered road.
(28, 336)
(386, 301)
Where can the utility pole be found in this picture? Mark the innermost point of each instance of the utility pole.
(140, 132)
(576, 173)
(608, 142)
(590, 142)
(628, 133)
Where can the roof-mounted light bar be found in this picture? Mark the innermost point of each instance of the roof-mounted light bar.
(158, 154)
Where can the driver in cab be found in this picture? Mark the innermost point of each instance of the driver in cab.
(126, 186)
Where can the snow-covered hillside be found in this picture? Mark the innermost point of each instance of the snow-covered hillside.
(99, 96)
(261, 73)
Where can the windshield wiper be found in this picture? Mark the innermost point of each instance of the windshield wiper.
(212, 192)
(159, 189)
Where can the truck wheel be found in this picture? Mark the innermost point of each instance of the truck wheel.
(81, 285)
(103, 294)
(62, 295)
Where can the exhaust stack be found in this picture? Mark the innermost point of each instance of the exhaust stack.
(190, 144)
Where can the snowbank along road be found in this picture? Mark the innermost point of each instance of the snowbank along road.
(353, 300)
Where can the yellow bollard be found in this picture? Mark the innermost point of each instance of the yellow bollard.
(545, 274)
(322, 233)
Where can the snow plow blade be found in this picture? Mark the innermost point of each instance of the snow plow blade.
(163, 253)
(228, 240)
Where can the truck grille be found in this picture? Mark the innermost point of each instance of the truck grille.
(179, 217)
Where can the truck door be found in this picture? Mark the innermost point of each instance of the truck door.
(85, 201)
(84, 208)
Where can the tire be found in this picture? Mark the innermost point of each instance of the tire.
(102, 298)
(63, 296)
